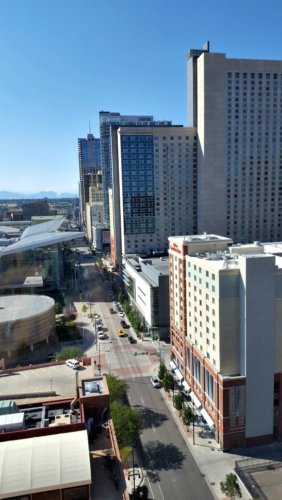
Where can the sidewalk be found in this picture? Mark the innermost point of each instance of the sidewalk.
(212, 462)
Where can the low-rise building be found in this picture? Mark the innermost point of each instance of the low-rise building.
(146, 282)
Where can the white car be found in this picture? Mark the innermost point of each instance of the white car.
(101, 336)
(155, 381)
(121, 314)
(96, 316)
(73, 363)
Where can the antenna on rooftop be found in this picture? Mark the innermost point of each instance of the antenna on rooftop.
(89, 127)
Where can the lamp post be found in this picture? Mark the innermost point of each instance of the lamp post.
(193, 421)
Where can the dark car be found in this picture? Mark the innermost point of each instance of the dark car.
(131, 340)
(123, 323)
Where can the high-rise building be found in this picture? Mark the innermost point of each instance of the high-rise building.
(89, 163)
(226, 336)
(154, 191)
(236, 105)
(35, 207)
(107, 120)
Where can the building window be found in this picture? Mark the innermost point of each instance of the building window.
(209, 385)
(197, 369)
(188, 352)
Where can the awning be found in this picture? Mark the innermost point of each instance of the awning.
(195, 400)
(172, 365)
(186, 387)
(207, 418)
(178, 374)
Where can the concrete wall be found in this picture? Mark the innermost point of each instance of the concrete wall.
(257, 289)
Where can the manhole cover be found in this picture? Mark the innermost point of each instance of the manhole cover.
(213, 484)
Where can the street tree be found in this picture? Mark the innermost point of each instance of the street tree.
(162, 371)
(168, 382)
(69, 353)
(117, 388)
(141, 492)
(58, 308)
(84, 308)
(178, 401)
(230, 486)
(187, 415)
(127, 424)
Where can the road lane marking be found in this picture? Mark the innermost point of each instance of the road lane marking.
(153, 428)
(161, 491)
(142, 400)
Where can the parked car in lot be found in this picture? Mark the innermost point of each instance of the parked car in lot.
(101, 336)
(73, 363)
(155, 381)
(111, 310)
(121, 314)
(120, 332)
(131, 340)
(123, 323)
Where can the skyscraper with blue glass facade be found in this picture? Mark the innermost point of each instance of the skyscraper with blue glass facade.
(108, 120)
(236, 105)
(154, 187)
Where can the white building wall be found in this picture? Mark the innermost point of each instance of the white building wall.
(257, 294)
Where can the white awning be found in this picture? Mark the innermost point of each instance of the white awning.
(195, 400)
(186, 386)
(178, 374)
(207, 418)
(172, 365)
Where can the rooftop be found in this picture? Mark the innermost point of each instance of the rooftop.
(15, 307)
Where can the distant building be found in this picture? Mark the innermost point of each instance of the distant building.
(154, 193)
(89, 163)
(35, 207)
(225, 322)
(108, 119)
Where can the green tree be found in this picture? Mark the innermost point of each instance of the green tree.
(168, 382)
(127, 424)
(82, 296)
(162, 371)
(117, 388)
(141, 492)
(230, 486)
(58, 308)
(84, 308)
(69, 353)
(187, 415)
(178, 401)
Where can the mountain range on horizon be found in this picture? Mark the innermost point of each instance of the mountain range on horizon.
(8, 195)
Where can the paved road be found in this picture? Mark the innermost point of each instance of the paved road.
(171, 470)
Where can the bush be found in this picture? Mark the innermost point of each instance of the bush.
(178, 401)
(69, 353)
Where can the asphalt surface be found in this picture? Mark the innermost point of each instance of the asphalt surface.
(171, 471)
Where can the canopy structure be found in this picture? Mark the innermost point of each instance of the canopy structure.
(178, 374)
(44, 463)
(41, 235)
(195, 400)
(207, 418)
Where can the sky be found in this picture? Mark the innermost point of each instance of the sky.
(63, 61)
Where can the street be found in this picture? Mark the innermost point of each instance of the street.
(171, 470)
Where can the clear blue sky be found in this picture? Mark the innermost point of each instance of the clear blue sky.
(62, 61)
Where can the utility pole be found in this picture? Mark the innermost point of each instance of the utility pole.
(193, 421)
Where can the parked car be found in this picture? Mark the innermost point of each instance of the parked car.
(112, 311)
(123, 323)
(155, 382)
(131, 340)
(101, 336)
(120, 332)
(121, 314)
(73, 363)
